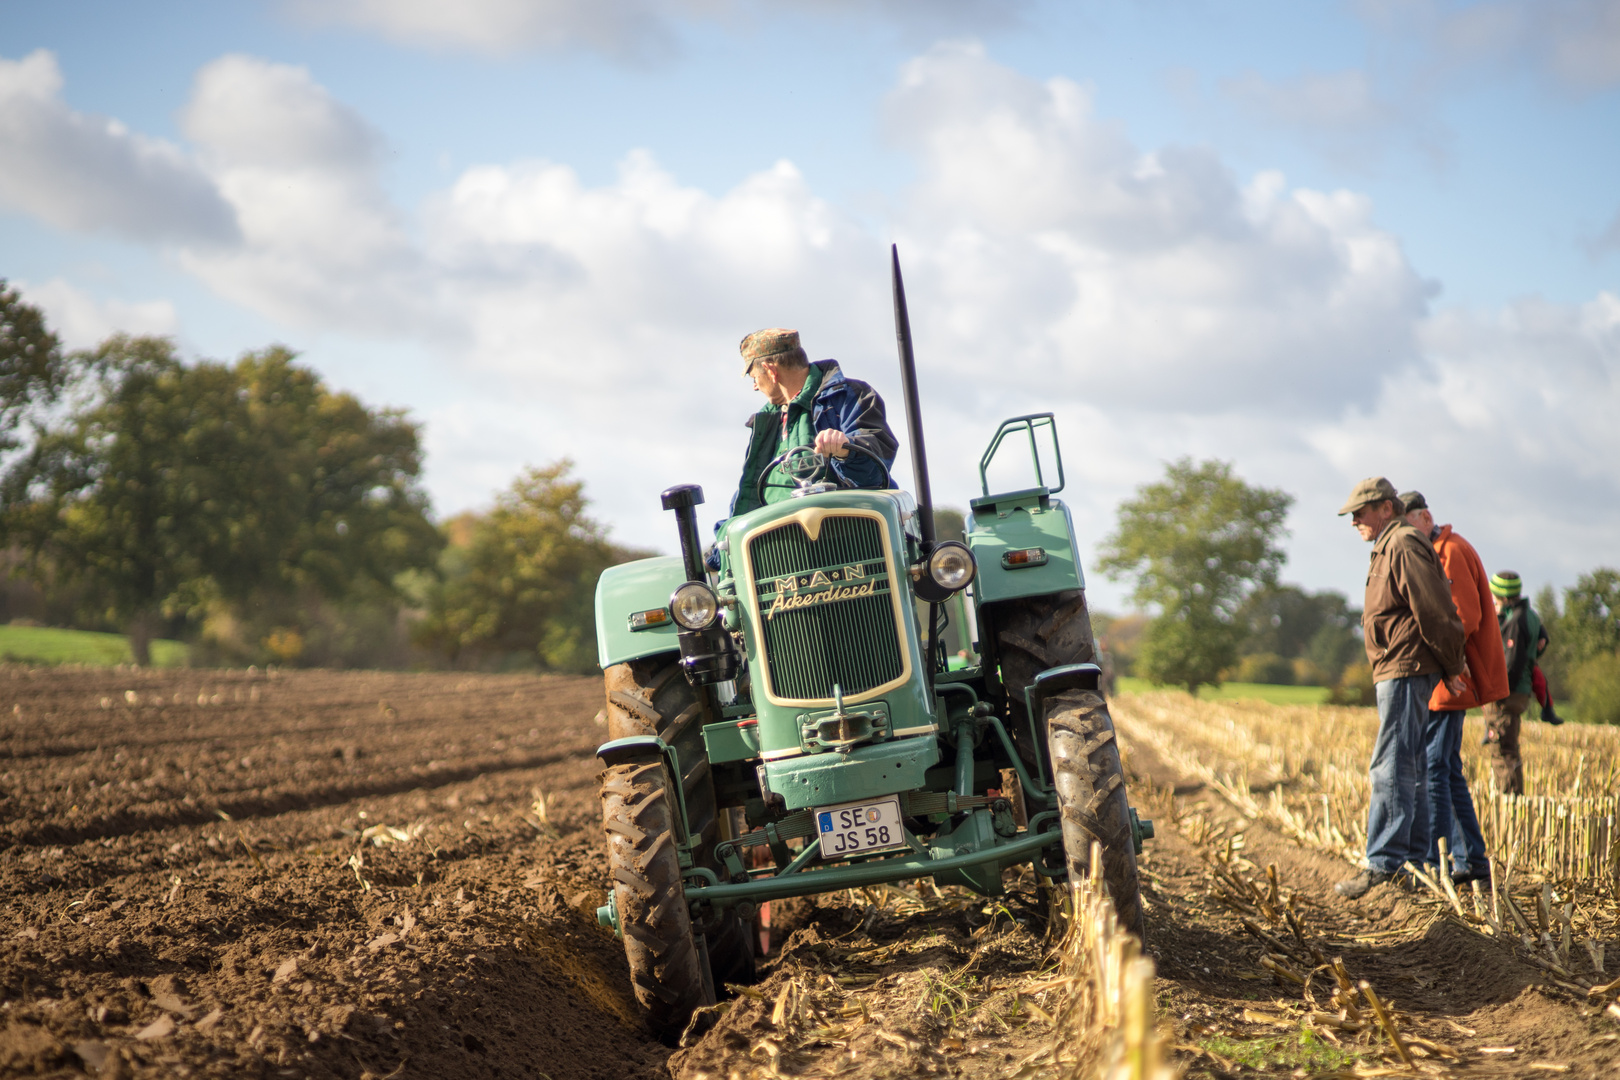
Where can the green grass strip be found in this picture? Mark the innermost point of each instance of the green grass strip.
(45, 645)
(1232, 691)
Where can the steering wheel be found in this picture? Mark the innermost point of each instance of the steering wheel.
(805, 467)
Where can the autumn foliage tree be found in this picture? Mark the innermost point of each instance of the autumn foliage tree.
(523, 585)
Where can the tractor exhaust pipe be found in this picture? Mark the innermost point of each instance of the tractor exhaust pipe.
(919, 455)
(908, 381)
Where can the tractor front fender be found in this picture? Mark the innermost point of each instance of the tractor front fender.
(630, 588)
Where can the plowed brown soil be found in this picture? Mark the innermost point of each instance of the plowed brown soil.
(314, 874)
(194, 880)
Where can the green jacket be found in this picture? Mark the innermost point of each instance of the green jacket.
(829, 401)
(1523, 639)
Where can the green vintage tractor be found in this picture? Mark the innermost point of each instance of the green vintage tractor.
(790, 725)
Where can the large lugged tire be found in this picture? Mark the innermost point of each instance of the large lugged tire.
(666, 962)
(1092, 802)
(1032, 635)
(651, 697)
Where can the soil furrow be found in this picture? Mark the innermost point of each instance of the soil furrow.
(365, 913)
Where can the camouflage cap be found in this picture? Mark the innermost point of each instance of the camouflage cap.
(1371, 490)
(768, 345)
(1413, 500)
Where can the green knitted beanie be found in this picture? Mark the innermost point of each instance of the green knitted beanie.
(1506, 584)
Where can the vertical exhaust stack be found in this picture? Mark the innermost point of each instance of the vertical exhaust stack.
(919, 455)
(908, 380)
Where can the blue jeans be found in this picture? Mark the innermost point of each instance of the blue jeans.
(1451, 808)
(1398, 814)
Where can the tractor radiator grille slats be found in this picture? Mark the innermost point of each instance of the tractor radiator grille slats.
(814, 640)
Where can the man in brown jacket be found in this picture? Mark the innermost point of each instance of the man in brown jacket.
(1451, 807)
(1414, 639)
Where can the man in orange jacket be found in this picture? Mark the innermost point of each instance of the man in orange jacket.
(1451, 809)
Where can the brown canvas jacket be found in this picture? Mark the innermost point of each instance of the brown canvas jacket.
(1408, 619)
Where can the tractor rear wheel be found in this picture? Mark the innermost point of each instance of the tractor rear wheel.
(667, 963)
(650, 696)
(1031, 635)
(1092, 802)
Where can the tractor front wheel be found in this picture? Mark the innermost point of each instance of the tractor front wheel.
(1092, 801)
(668, 965)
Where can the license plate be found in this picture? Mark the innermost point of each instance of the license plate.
(856, 828)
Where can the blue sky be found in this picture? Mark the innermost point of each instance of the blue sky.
(1318, 240)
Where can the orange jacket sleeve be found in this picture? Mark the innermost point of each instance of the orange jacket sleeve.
(1463, 593)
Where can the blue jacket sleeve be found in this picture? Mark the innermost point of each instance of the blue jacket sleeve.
(859, 413)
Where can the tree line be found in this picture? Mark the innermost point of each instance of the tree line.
(252, 510)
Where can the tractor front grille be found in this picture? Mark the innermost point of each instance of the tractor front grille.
(826, 610)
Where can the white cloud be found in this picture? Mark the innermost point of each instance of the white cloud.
(624, 29)
(1339, 100)
(83, 321)
(1509, 432)
(320, 243)
(1040, 241)
(85, 172)
(617, 27)
(1575, 43)
(1159, 304)
(1342, 115)
(1144, 277)
(1606, 241)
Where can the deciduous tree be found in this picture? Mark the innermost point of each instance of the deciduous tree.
(177, 487)
(524, 584)
(33, 367)
(1196, 543)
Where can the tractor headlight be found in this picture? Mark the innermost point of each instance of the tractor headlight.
(694, 605)
(951, 566)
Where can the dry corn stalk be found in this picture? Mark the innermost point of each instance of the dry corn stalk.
(1316, 759)
(1106, 1022)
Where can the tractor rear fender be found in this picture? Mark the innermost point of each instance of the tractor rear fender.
(629, 589)
(1023, 542)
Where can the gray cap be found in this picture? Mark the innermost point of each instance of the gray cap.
(1371, 490)
(1413, 500)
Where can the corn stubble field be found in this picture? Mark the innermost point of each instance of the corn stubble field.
(370, 875)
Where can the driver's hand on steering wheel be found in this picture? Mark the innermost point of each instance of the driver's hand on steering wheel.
(832, 443)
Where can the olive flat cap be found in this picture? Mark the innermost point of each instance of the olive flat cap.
(1371, 490)
(1413, 500)
(768, 345)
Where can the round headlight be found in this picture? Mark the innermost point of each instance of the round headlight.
(694, 605)
(951, 566)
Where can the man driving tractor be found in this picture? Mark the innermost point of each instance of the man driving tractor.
(809, 405)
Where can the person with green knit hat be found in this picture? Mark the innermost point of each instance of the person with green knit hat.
(1507, 584)
(1523, 639)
